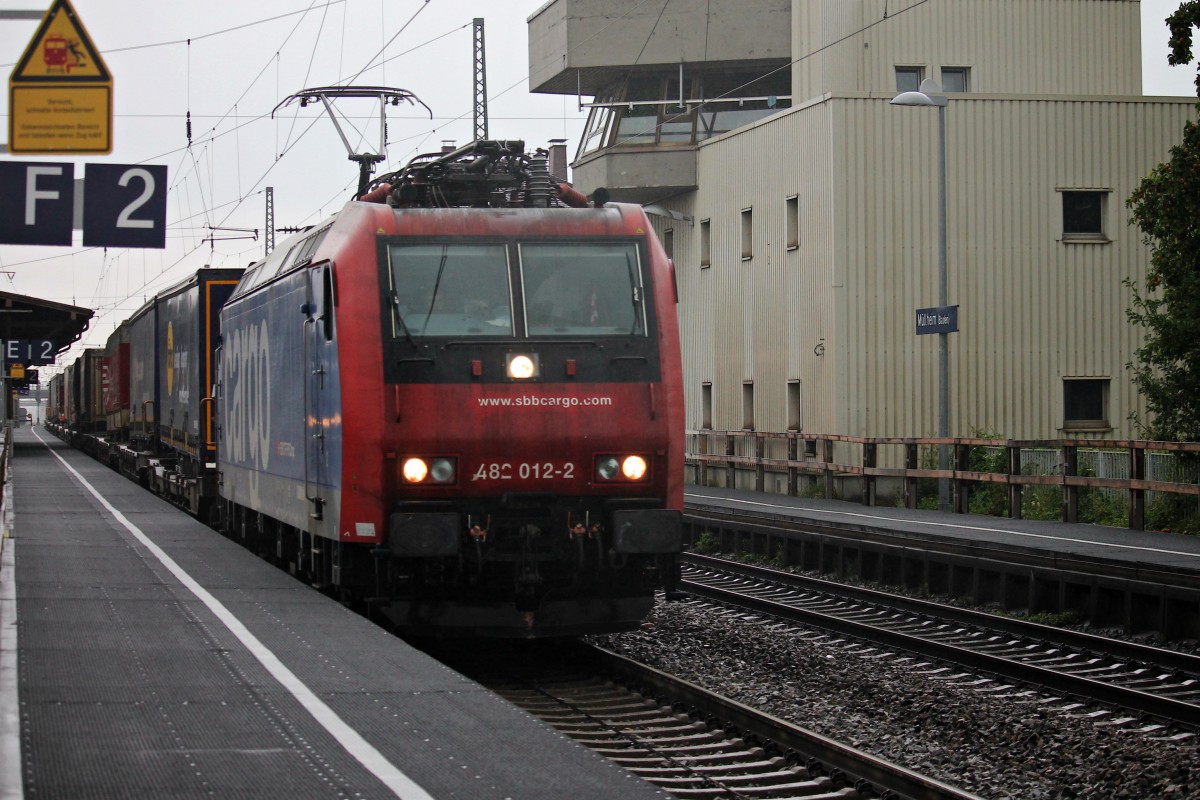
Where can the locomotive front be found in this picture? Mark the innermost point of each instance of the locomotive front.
(533, 446)
(537, 469)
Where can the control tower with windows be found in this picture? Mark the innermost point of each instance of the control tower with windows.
(660, 79)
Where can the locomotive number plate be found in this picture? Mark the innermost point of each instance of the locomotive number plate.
(524, 470)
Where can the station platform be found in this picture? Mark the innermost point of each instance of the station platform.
(1076, 542)
(143, 654)
(1137, 582)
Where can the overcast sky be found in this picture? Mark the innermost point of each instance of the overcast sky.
(244, 58)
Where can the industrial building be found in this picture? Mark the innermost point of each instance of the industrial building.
(801, 204)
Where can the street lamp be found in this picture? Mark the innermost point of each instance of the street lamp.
(930, 94)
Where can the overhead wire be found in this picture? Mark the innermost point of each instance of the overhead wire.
(371, 61)
(616, 20)
(188, 152)
(180, 180)
(222, 32)
(213, 133)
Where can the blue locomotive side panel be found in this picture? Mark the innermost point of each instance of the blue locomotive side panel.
(188, 329)
(271, 461)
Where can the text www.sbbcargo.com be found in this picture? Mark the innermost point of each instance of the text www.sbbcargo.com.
(529, 400)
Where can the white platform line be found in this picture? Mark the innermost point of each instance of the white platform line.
(11, 786)
(366, 754)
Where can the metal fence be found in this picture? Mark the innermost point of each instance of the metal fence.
(1139, 470)
(1164, 467)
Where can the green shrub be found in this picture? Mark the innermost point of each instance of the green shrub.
(1040, 501)
(1173, 512)
(707, 544)
(988, 498)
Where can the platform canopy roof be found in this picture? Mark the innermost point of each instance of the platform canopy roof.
(25, 317)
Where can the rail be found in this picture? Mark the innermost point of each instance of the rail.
(731, 454)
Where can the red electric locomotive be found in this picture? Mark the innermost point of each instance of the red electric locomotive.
(461, 399)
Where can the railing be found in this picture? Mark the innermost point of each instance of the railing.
(729, 458)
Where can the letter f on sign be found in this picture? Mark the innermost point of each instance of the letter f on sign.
(32, 195)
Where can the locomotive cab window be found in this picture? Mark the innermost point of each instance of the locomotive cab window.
(583, 289)
(450, 290)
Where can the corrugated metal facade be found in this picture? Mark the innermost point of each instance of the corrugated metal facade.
(1034, 309)
(766, 318)
(837, 313)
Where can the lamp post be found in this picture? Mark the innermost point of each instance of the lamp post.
(930, 95)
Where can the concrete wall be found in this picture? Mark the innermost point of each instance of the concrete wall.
(595, 35)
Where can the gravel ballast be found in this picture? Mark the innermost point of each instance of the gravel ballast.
(995, 741)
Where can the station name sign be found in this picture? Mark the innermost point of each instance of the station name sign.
(939, 319)
(124, 205)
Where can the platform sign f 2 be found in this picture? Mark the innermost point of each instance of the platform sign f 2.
(124, 205)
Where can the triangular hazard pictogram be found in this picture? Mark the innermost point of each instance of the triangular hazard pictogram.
(61, 51)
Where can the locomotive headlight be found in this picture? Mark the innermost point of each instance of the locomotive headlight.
(633, 467)
(415, 470)
(522, 366)
(433, 470)
(621, 468)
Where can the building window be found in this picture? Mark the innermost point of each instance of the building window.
(956, 79)
(795, 422)
(705, 243)
(1083, 215)
(734, 99)
(793, 222)
(706, 404)
(1085, 403)
(908, 79)
(747, 234)
(748, 406)
(595, 133)
(668, 242)
(639, 119)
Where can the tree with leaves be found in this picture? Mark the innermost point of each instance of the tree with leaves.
(1166, 207)
(1186, 17)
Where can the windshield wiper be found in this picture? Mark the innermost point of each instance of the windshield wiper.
(637, 296)
(437, 281)
(400, 316)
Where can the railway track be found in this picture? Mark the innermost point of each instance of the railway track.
(1155, 689)
(678, 736)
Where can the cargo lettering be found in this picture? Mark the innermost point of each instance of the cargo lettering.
(248, 399)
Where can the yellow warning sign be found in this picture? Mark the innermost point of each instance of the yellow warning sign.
(60, 119)
(60, 93)
(61, 50)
